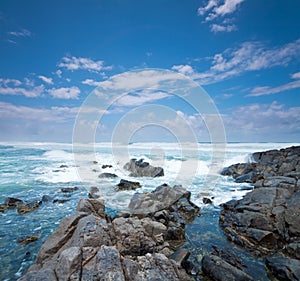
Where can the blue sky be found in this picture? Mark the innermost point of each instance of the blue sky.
(244, 53)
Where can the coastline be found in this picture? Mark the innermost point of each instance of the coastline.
(195, 223)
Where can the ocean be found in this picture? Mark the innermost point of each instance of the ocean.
(31, 171)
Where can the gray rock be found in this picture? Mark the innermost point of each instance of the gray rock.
(89, 206)
(138, 168)
(128, 185)
(220, 270)
(161, 198)
(284, 269)
(107, 175)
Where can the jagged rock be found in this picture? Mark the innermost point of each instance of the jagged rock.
(284, 269)
(220, 270)
(267, 219)
(23, 209)
(89, 246)
(11, 202)
(206, 200)
(106, 166)
(94, 192)
(107, 175)
(92, 206)
(128, 185)
(161, 198)
(63, 166)
(138, 168)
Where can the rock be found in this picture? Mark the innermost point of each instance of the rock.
(94, 192)
(63, 166)
(220, 270)
(161, 198)
(95, 206)
(60, 201)
(90, 245)
(47, 274)
(128, 185)
(23, 209)
(95, 162)
(3, 207)
(206, 200)
(107, 175)
(27, 239)
(11, 202)
(106, 166)
(69, 189)
(138, 168)
(47, 198)
(69, 264)
(267, 219)
(283, 268)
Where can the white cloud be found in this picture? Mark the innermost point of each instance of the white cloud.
(65, 93)
(46, 79)
(266, 90)
(249, 56)
(91, 82)
(58, 73)
(140, 80)
(22, 33)
(141, 98)
(296, 75)
(15, 87)
(264, 122)
(22, 113)
(211, 4)
(76, 63)
(183, 69)
(13, 82)
(216, 9)
(222, 28)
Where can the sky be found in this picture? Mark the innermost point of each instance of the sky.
(245, 54)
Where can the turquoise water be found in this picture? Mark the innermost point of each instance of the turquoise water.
(29, 171)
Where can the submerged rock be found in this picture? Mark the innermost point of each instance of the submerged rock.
(12, 202)
(23, 209)
(69, 189)
(107, 175)
(27, 239)
(139, 168)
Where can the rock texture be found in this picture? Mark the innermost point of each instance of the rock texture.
(267, 220)
(139, 168)
(90, 245)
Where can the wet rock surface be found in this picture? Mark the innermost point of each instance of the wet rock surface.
(139, 168)
(267, 220)
(90, 245)
(128, 185)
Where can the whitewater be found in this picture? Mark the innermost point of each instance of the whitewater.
(29, 171)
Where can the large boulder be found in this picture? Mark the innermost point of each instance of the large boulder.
(139, 168)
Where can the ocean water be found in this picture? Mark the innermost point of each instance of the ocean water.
(29, 171)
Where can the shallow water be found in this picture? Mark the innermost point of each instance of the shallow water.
(30, 170)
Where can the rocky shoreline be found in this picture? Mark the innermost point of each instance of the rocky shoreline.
(266, 222)
(144, 242)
